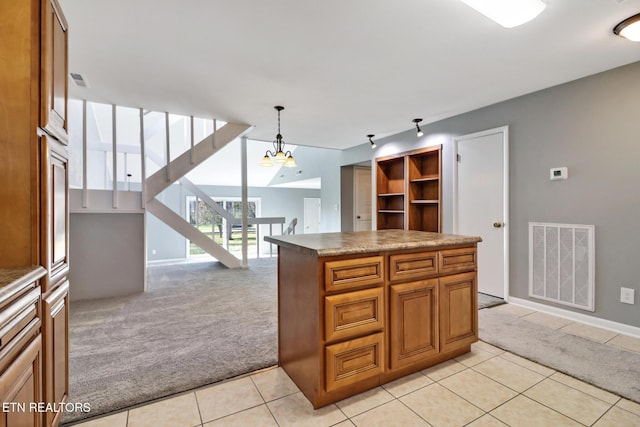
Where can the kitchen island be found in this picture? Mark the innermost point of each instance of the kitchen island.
(359, 309)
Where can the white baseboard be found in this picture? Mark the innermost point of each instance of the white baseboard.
(609, 325)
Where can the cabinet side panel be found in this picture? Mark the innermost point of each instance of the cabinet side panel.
(18, 120)
(298, 319)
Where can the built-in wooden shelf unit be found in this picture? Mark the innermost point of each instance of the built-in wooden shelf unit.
(409, 190)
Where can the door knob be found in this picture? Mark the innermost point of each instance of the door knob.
(497, 224)
(358, 217)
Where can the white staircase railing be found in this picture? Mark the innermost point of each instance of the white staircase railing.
(115, 200)
(193, 157)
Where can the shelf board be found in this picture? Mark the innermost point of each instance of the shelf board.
(390, 211)
(425, 202)
(426, 178)
(390, 194)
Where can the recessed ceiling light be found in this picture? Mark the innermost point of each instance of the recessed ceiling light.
(629, 28)
(508, 13)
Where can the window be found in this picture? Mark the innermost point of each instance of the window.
(215, 226)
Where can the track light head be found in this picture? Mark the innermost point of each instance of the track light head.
(419, 132)
(373, 144)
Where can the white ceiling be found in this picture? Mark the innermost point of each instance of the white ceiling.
(342, 68)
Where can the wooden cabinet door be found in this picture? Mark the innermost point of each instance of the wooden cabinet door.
(413, 313)
(20, 385)
(55, 212)
(459, 311)
(54, 70)
(55, 327)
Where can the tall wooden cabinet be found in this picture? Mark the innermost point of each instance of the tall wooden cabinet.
(408, 190)
(34, 177)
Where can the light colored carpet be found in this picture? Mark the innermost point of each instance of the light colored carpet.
(198, 324)
(488, 301)
(602, 365)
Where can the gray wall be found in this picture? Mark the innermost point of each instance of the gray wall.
(275, 202)
(106, 255)
(163, 243)
(589, 125)
(346, 197)
(323, 163)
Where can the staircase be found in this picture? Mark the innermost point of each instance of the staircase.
(190, 159)
(175, 171)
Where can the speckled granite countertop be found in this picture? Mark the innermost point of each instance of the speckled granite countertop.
(357, 242)
(12, 280)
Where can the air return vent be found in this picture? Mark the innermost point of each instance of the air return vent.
(78, 79)
(562, 264)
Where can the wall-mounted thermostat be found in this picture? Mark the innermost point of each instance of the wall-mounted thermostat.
(558, 173)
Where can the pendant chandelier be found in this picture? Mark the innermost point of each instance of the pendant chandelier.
(278, 155)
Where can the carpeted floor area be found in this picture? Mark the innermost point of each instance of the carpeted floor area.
(488, 301)
(200, 323)
(610, 368)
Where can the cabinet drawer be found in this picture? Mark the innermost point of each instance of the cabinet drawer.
(353, 313)
(352, 361)
(413, 266)
(18, 315)
(457, 260)
(353, 273)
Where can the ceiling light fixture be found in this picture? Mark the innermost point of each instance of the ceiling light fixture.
(629, 28)
(419, 132)
(508, 13)
(278, 153)
(373, 144)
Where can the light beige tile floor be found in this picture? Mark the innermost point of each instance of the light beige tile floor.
(589, 332)
(485, 388)
(553, 322)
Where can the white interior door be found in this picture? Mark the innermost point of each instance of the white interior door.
(481, 204)
(311, 215)
(362, 199)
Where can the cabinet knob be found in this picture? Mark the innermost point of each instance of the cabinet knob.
(498, 224)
